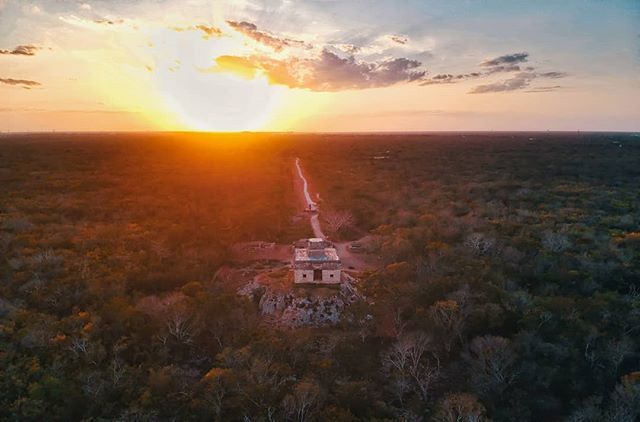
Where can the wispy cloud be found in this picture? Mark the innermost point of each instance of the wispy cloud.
(251, 31)
(24, 83)
(505, 63)
(100, 24)
(399, 39)
(508, 63)
(519, 81)
(545, 88)
(448, 78)
(346, 48)
(108, 21)
(507, 59)
(21, 50)
(207, 30)
(552, 75)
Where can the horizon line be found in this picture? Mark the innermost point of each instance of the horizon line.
(251, 132)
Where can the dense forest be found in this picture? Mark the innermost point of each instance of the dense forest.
(508, 284)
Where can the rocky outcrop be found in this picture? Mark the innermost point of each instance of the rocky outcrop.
(253, 290)
(272, 302)
(302, 307)
(314, 311)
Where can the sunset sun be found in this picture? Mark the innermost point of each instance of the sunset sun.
(218, 103)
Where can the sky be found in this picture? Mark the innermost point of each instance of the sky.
(319, 65)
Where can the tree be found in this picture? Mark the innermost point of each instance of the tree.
(625, 400)
(492, 362)
(336, 221)
(479, 243)
(300, 405)
(412, 366)
(460, 407)
(555, 242)
(448, 317)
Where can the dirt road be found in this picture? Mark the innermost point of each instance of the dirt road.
(314, 219)
(349, 259)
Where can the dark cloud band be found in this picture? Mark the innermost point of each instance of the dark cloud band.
(21, 50)
(519, 81)
(24, 83)
(507, 59)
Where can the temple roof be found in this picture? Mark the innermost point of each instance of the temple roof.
(322, 255)
(315, 250)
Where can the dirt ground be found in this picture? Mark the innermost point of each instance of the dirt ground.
(355, 261)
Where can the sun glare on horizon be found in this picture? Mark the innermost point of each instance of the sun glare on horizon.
(218, 103)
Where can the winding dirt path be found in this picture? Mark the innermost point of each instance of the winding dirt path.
(314, 219)
(350, 260)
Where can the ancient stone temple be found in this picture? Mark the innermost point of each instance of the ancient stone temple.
(315, 261)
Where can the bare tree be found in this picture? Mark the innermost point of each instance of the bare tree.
(479, 243)
(335, 221)
(460, 407)
(412, 365)
(625, 402)
(299, 405)
(93, 385)
(181, 326)
(616, 351)
(79, 346)
(448, 315)
(493, 364)
(260, 373)
(117, 371)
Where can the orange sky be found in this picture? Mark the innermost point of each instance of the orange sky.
(293, 65)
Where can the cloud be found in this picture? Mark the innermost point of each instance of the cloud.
(241, 66)
(88, 23)
(329, 72)
(502, 64)
(324, 72)
(552, 75)
(544, 88)
(207, 31)
(108, 21)
(100, 24)
(24, 83)
(505, 68)
(399, 39)
(506, 63)
(507, 59)
(448, 78)
(251, 30)
(21, 50)
(346, 48)
(519, 81)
